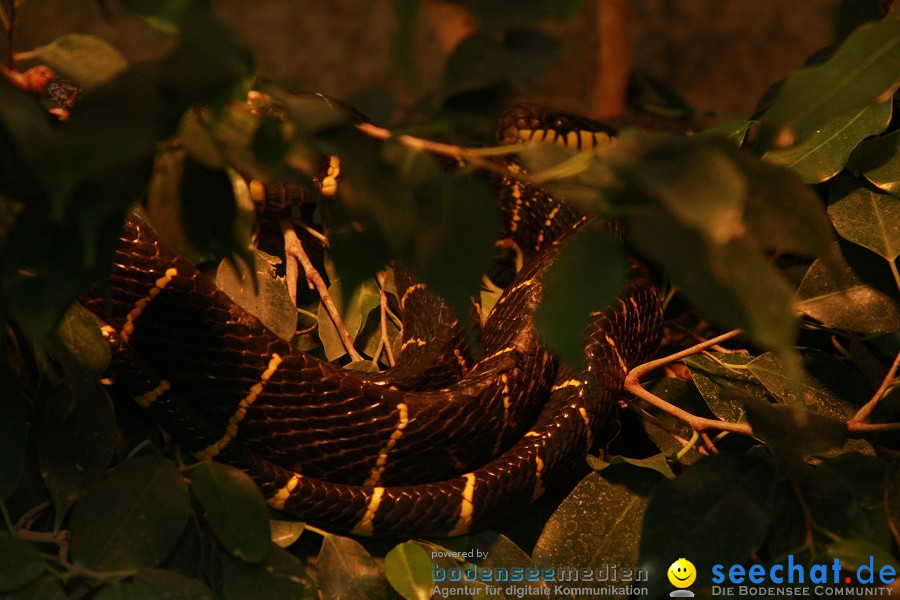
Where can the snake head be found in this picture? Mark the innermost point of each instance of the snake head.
(529, 122)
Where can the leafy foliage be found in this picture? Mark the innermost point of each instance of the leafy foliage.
(742, 239)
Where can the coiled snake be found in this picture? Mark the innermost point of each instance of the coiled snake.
(389, 454)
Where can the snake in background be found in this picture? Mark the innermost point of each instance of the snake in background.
(440, 444)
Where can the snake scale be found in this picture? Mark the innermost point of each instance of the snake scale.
(438, 445)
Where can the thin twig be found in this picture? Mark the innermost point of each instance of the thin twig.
(865, 412)
(450, 150)
(294, 252)
(633, 386)
(700, 338)
(25, 520)
(382, 275)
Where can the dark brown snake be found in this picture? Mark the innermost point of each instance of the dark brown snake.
(438, 445)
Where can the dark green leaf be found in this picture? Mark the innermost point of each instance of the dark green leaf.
(663, 427)
(347, 570)
(599, 523)
(269, 145)
(830, 387)
(863, 473)
(408, 569)
(831, 502)
(878, 159)
(20, 562)
(328, 332)
(126, 591)
(499, 552)
(800, 226)
(76, 441)
(718, 383)
(84, 59)
(281, 576)
(403, 44)
(13, 434)
(853, 289)
(824, 153)
(862, 71)
(586, 277)
(866, 217)
(892, 498)
(45, 588)
(262, 293)
(172, 586)
(657, 462)
(793, 432)
(236, 510)
(733, 131)
(717, 511)
(733, 283)
(856, 553)
(131, 518)
(364, 300)
(479, 62)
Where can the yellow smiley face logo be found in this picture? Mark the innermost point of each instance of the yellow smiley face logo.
(682, 573)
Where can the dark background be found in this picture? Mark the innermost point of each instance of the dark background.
(720, 54)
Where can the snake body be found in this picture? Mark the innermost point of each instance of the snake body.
(439, 445)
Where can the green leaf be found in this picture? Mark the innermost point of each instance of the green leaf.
(717, 511)
(171, 585)
(45, 588)
(479, 62)
(236, 510)
(261, 293)
(80, 348)
(878, 160)
(403, 44)
(499, 552)
(866, 217)
(599, 523)
(284, 533)
(13, 434)
(76, 441)
(793, 432)
(657, 462)
(829, 387)
(850, 288)
(408, 570)
(824, 153)
(281, 576)
(347, 570)
(861, 72)
(830, 501)
(364, 300)
(327, 330)
(856, 553)
(662, 427)
(20, 562)
(733, 283)
(586, 277)
(86, 60)
(892, 497)
(131, 518)
(724, 389)
(126, 591)
(800, 226)
(733, 131)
